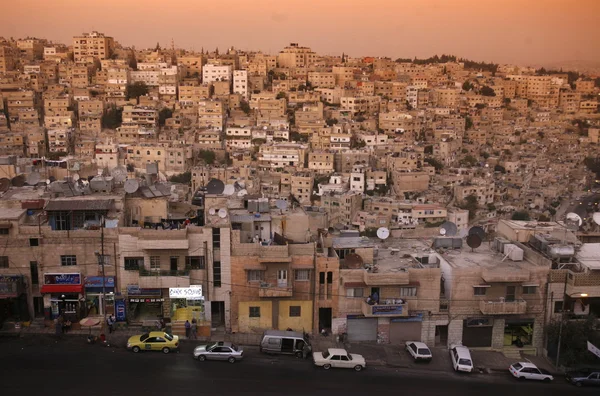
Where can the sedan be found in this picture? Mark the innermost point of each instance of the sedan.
(339, 358)
(219, 351)
(525, 370)
(153, 341)
(584, 377)
(418, 350)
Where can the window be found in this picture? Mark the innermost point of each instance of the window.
(133, 263)
(3, 261)
(216, 235)
(195, 262)
(479, 291)
(355, 292)
(68, 260)
(295, 311)
(558, 306)
(33, 267)
(302, 275)
(408, 291)
(529, 289)
(154, 262)
(3, 231)
(254, 275)
(217, 274)
(255, 312)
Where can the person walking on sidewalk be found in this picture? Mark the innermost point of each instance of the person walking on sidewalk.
(188, 328)
(193, 329)
(109, 322)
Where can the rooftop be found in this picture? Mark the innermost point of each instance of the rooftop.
(397, 255)
(485, 257)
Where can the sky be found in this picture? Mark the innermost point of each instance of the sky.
(525, 32)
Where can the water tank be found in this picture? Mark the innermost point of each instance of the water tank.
(561, 251)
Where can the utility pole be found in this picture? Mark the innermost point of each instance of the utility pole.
(102, 265)
(562, 319)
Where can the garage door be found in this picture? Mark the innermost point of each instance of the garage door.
(362, 329)
(477, 336)
(400, 332)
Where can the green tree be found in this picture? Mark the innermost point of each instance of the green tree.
(521, 215)
(112, 118)
(281, 95)
(208, 156)
(485, 154)
(331, 121)
(467, 86)
(183, 178)
(245, 106)
(469, 160)
(468, 123)
(131, 60)
(487, 91)
(573, 340)
(438, 165)
(163, 114)
(135, 90)
(471, 204)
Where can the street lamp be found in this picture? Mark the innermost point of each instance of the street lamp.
(561, 323)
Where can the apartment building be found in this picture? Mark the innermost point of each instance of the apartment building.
(117, 81)
(301, 186)
(321, 79)
(91, 46)
(267, 105)
(211, 114)
(212, 73)
(321, 162)
(282, 155)
(360, 104)
(8, 58)
(342, 208)
(483, 190)
(240, 83)
(296, 56)
(395, 122)
(190, 95)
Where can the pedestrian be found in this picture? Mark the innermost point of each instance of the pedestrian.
(109, 323)
(58, 327)
(188, 327)
(193, 329)
(113, 323)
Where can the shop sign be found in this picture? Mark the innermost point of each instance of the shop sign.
(146, 300)
(134, 290)
(191, 293)
(387, 309)
(62, 279)
(10, 285)
(11, 278)
(96, 281)
(120, 310)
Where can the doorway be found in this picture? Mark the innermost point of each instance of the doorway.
(38, 306)
(217, 311)
(441, 335)
(325, 319)
(375, 294)
(282, 278)
(511, 293)
(174, 261)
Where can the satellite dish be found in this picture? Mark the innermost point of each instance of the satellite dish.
(574, 218)
(449, 228)
(131, 186)
(383, 233)
(212, 211)
(215, 186)
(477, 230)
(281, 204)
(222, 213)
(18, 181)
(242, 193)
(596, 218)
(353, 261)
(229, 189)
(75, 176)
(4, 184)
(474, 241)
(119, 174)
(52, 179)
(33, 179)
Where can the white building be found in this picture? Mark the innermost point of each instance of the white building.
(240, 83)
(212, 73)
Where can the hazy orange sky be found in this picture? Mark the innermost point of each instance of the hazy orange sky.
(520, 31)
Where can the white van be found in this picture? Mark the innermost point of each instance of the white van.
(461, 358)
(285, 342)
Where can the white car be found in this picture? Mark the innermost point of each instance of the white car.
(461, 358)
(418, 350)
(337, 357)
(525, 370)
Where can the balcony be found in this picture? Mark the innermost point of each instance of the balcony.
(159, 279)
(268, 290)
(503, 307)
(384, 310)
(383, 278)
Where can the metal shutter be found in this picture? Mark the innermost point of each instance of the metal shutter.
(362, 329)
(400, 332)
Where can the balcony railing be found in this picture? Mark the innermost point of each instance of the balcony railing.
(384, 310)
(503, 307)
(270, 290)
(145, 272)
(158, 279)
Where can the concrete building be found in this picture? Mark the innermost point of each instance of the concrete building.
(90, 46)
(212, 73)
(211, 114)
(240, 83)
(295, 56)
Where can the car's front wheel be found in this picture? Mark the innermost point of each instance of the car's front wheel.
(166, 350)
(547, 380)
(327, 366)
(135, 349)
(358, 367)
(299, 355)
(202, 358)
(231, 359)
(578, 384)
(521, 378)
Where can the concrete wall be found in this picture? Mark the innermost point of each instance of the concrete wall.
(246, 324)
(302, 323)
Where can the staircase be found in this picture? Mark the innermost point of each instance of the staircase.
(178, 328)
(512, 353)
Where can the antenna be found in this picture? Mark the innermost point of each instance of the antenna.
(448, 228)
(383, 233)
(222, 213)
(131, 186)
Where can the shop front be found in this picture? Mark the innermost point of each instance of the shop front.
(477, 332)
(63, 295)
(95, 288)
(144, 304)
(13, 298)
(187, 303)
(518, 332)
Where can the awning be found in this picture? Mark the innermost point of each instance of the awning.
(46, 289)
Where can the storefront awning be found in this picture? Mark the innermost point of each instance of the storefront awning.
(46, 289)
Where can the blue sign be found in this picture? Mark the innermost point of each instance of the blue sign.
(62, 279)
(417, 318)
(134, 290)
(96, 281)
(387, 309)
(120, 310)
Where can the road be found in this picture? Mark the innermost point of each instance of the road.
(44, 366)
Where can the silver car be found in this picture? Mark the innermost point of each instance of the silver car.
(219, 351)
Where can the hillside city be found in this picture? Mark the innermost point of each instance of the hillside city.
(441, 200)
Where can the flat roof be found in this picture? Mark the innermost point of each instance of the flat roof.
(397, 255)
(589, 255)
(484, 256)
(11, 214)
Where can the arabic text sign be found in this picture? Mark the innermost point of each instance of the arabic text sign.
(192, 292)
(592, 348)
(62, 279)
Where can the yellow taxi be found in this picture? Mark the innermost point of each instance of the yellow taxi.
(153, 341)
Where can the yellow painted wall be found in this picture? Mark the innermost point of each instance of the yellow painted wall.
(247, 324)
(299, 323)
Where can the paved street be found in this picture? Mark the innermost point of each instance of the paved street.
(42, 365)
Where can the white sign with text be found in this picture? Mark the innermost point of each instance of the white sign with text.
(190, 293)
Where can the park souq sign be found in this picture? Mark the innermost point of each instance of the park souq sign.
(190, 293)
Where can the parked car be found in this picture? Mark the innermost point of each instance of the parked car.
(526, 370)
(584, 377)
(285, 342)
(461, 358)
(219, 351)
(418, 350)
(153, 341)
(337, 357)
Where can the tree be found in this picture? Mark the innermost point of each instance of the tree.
(112, 118)
(135, 90)
(468, 123)
(485, 155)
(438, 165)
(132, 61)
(208, 156)
(245, 106)
(573, 340)
(467, 86)
(331, 121)
(487, 91)
(163, 114)
(471, 203)
(521, 215)
(183, 178)
(281, 95)
(469, 160)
